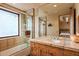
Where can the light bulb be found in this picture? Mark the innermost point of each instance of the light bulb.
(55, 5)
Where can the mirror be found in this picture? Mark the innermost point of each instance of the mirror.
(42, 26)
(64, 25)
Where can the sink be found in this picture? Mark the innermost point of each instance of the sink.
(56, 41)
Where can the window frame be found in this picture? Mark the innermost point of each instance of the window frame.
(18, 23)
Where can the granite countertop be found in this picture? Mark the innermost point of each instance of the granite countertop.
(62, 42)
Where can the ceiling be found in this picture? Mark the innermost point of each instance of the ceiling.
(61, 8)
(26, 6)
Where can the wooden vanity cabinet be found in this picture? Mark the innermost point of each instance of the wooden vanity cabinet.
(38, 49)
(45, 50)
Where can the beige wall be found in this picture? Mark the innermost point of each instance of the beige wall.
(76, 6)
(53, 19)
(54, 29)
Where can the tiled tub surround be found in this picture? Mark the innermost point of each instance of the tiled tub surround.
(65, 44)
(6, 43)
(13, 46)
(19, 50)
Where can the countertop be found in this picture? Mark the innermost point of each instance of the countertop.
(61, 42)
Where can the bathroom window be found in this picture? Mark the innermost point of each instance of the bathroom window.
(8, 23)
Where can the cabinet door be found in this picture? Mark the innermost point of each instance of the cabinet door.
(35, 50)
(70, 53)
(56, 51)
(44, 50)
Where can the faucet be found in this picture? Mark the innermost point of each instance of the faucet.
(56, 38)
